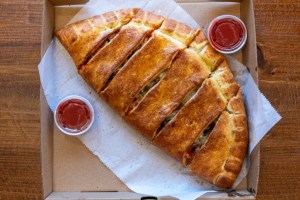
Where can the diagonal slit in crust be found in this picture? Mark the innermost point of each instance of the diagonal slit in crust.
(200, 141)
(98, 47)
(156, 79)
(187, 98)
(146, 89)
(134, 51)
(202, 138)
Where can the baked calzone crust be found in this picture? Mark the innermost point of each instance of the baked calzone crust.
(83, 38)
(165, 79)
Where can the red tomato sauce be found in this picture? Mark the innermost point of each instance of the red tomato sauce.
(73, 114)
(227, 34)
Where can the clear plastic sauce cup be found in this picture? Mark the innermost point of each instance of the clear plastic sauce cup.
(74, 115)
(227, 34)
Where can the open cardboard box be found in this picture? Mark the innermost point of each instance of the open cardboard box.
(70, 170)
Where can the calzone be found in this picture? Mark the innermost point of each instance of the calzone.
(164, 79)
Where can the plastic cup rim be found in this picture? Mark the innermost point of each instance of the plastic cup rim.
(242, 44)
(87, 103)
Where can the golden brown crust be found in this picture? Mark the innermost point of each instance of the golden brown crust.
(211, 57)
(225, 79)
(180, 133)
(178, 31)
(206, 52)
(220, 159)
(148, 19)
(209, 160)
(154, 57)
(236, 104)
(186, 73)
(82, 38)
(125, 15)
(99, 69)
(199, 42)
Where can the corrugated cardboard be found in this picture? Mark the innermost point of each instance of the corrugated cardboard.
(70, 170)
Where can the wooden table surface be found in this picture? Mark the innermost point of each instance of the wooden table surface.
(278, 36)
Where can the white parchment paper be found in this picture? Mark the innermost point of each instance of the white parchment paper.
(141, 166)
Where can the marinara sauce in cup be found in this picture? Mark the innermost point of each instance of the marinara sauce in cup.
(74, 115)
(227, 34)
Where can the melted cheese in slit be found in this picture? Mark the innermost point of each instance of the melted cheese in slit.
(146, 89)
(112, 76)
(174, 113)
(166, 98)
(153, 58)
(180, 133)
(95, 51)
(220, 159)
(200, 141)
(150, 100)
(110, 58)
(83, 38)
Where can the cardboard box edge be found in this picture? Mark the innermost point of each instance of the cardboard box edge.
(45, 112)
(45, 135)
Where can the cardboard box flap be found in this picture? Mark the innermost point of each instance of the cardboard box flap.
(45, 112)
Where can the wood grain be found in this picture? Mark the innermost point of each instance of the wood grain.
(278, 36)
(20, 34)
